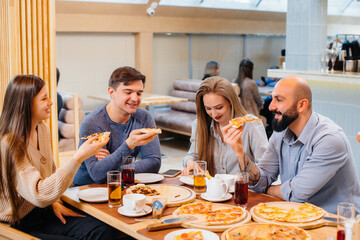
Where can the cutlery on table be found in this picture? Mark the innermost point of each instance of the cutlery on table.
(167, 223)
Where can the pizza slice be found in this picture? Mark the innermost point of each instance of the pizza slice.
(142, 189)
(237, 122)
(148, 130)
(100, 136)
(192, 235)
(225, 216)
(195, 208)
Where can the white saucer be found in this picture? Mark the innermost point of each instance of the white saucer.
(225, 198)
(123, 211)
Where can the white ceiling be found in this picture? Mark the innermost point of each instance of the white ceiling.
(335, 7)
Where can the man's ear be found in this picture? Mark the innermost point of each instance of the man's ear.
(302, 105)
(111, 91)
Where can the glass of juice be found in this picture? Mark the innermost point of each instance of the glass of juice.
(241, 189)
(114, 188)
(128, 170)
(345, 216)
(199, 176)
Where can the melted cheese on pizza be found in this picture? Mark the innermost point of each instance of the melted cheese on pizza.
(142, 189)
(192, 235)
(237, 122)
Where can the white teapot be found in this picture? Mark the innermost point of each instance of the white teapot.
(216, 188)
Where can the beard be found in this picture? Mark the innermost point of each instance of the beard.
(287, 118)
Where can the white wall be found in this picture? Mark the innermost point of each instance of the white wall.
(170, 55)
(86, 61)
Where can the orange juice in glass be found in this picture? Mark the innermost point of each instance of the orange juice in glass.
(199, 176)
(114, 188)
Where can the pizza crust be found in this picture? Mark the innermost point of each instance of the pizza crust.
(148, 130)
(100, 136)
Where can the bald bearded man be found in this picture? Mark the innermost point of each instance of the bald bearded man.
(309, 151)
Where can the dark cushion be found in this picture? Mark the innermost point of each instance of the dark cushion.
(184, 94)
(189, 107)
(176, 120)
(187, 85)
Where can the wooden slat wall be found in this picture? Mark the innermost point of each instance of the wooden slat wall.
(27, 46)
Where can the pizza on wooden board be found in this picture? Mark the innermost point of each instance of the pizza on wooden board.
(237, 122)
(100, 136)
(150, 130)
(304, 213)
(209, 216)
(142, 189)
(266, 232)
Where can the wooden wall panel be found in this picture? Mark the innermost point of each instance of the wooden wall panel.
(27, 44)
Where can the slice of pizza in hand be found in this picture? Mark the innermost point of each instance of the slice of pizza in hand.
(152, 130)
(237, 122)
(100, 136)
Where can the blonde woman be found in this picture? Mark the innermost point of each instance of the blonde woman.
(212, 69)
(216, 104)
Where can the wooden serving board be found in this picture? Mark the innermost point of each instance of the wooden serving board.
(288, 205)
(175, 195)
(254, 228)
(214, 228)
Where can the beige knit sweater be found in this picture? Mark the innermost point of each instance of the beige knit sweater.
(38, 181)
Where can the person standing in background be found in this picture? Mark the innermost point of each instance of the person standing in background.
(212, 69)
(249, 92)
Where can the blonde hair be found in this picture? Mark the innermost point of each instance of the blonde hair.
(203, 136)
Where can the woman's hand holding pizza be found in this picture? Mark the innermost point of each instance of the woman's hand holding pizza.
(89, 148)
(138, 138)
(232, 137)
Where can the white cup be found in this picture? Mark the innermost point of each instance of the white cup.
(134, 202)
(228, 179)
(216, 188)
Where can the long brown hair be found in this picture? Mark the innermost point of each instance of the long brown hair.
(15, 126)
(204, 137)
(246, 68)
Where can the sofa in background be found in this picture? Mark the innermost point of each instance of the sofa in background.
(179, 119)
(69, 122)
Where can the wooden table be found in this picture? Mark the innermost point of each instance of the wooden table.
(138, 230)
(148, 101)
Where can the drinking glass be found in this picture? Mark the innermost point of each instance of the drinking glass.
(199, 176)
(241, 189)
(345, 215)
(114, 188)
(128, 170)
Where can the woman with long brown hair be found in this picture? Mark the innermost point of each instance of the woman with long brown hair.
(216, 104)
(30, 184)
(249, 92)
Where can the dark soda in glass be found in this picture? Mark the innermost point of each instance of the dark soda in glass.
(340, 235)
(128, 176)
(241, 193)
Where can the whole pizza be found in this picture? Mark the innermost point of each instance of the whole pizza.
(266, 232)
(300, 213)
(237, 122)
(207, 215)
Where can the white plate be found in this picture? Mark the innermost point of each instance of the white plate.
(148, 177)
(205, 233)
(225, 198)
(123, 211)
(99, 194)
(189, 180)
